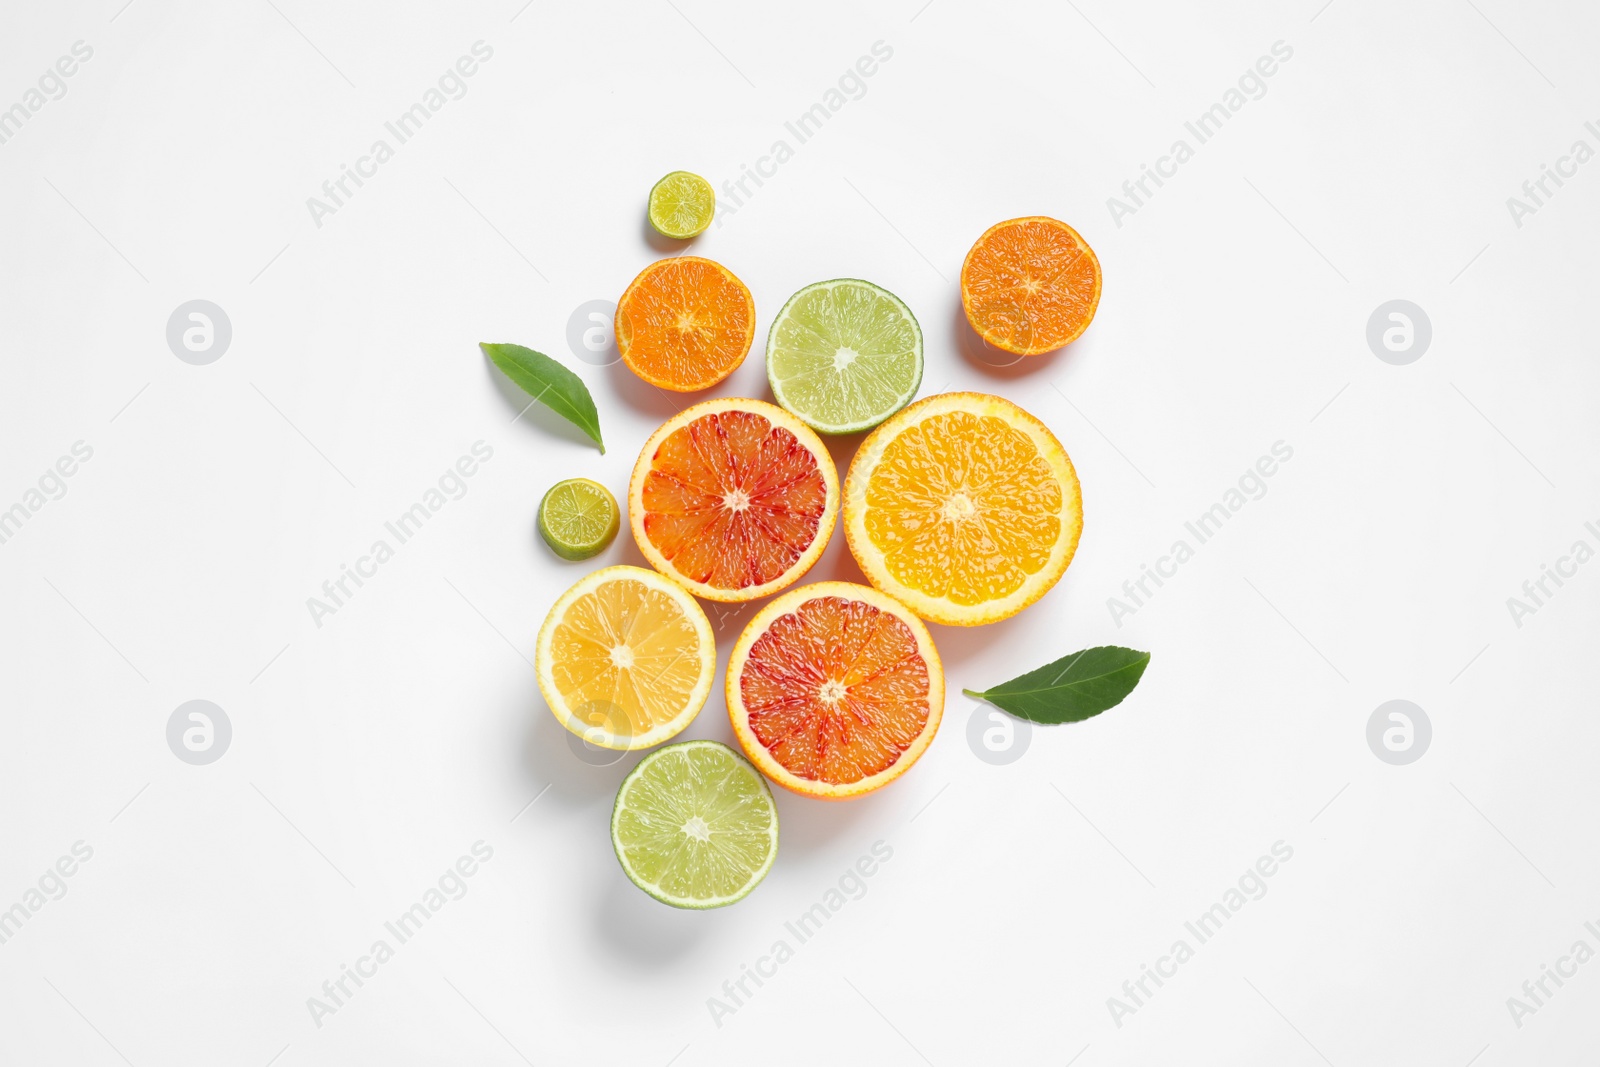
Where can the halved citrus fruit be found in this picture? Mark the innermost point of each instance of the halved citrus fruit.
(1030, 285)
(834, 690)
(844, 355)
(964, 507)
(733, 498)
(682, 205)
(685, 323)
(625, 658)
(695, 826)
(578, 518)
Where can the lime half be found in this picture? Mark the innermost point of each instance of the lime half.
(578, 518)
(682, 205)
(844, 355)
(695, 826)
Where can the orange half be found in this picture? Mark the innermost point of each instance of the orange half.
(835, 690)
(1030, 285)
(963, 507)
(685, 323)
(734, 499)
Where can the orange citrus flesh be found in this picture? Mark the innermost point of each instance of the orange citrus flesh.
(964, 507)
(1030, 285)
(834, 690)
(995, 473)
(685, 323)
(734, 499)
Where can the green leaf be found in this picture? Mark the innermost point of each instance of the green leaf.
(1071, 689)
(548, 382)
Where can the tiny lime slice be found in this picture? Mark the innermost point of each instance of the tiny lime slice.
(844, 355)
(682, 205)
(578, 518)
(695, 825)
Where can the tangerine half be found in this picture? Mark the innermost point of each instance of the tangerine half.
(1030, 285)
(834, 690)
(685, 323)
(733, 499)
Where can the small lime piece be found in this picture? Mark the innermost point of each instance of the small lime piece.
(682, 205)
(578, 518)
(844, 355)
(695, 825)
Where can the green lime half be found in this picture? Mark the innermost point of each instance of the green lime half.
(844, 355)
(682, 205)
(578, 518)
(695, 825)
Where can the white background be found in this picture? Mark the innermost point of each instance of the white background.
(368, 754)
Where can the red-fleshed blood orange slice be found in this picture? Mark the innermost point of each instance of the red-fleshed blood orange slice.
(734, 499)
(835, 689)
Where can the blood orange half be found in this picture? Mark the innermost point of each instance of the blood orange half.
(835, 690)
(733, 499)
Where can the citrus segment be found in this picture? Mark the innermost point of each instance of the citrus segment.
(685, 323)
(695, 826)
(1030, 285)
(964, 507)
(844, 355)
(834, 690)
(625, 658)
(578, 518)
(682, 205)
(734, 498)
